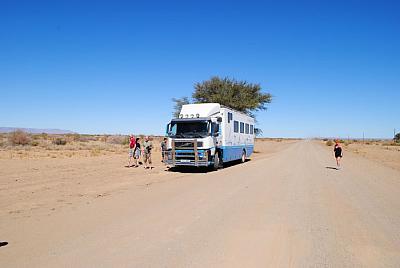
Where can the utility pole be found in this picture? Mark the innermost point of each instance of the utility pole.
(363, 137)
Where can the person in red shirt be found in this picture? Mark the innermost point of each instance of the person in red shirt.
(132, 145)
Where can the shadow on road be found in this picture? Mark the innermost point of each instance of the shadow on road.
(335, 168)
(184, 169)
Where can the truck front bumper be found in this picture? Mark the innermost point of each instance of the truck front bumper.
(195, 158)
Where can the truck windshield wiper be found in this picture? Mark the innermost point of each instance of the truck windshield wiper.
(179, 135)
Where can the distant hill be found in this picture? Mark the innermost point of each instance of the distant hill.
(36, 130)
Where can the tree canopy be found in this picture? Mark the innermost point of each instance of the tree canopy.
(239, 95)
(179, 102)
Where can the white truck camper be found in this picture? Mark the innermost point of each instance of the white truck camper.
(209, 134)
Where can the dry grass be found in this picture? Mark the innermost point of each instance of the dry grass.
(386, 152)
(36, 146)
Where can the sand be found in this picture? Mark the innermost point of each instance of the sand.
(286, 207)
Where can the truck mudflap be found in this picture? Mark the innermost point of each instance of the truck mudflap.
(186, 153)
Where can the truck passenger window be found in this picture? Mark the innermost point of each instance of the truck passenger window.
(241, 127)
(247, 128)
(235, 126)
(251, 129)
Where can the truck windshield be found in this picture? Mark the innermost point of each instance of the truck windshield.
(191, 129)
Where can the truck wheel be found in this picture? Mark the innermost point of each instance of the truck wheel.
(243, 159)
(216, 161)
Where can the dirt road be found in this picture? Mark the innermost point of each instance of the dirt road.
(285, 209)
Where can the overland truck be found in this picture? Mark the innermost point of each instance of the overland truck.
(209, 134)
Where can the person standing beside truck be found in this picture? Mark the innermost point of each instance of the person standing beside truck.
(136, 153)
(146, 150)
(132, 145)
(164, 150)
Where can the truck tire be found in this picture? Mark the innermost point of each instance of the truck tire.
(243, 158)
(216, 161)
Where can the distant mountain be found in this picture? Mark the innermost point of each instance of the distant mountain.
(35, 130)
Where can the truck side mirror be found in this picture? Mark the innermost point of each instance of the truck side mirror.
(219, 119)
(167, 132)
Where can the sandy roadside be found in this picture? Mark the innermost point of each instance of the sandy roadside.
(44, 186)
(285, 208)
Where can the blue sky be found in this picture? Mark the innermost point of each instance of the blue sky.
(333, 67)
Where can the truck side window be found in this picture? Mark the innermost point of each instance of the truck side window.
(241, 127)
(247, 128)
(251, 129)
(215, 128)
(230, 117)
(235, 126)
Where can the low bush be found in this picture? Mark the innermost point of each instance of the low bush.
(34, 143)
(329, 143)
(397, 138)
(44, 136)
(73, 137)
(123, 140)
(19, 137)
(59, 141)
(87, 138)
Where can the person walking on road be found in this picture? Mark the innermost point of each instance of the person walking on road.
(146, 150)
(338, 153)
(164, 150)
(132, 144)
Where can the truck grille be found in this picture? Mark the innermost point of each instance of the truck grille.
(187, 144)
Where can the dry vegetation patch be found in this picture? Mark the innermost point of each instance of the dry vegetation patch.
(386, 152)
(20, 145)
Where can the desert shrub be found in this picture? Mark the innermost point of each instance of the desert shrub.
(118, 139)
(19, 137)
(34, 143)
(95, 152)
(104, 138)
(87, 138)
(329, 143)
(125, 141)
(73, 137)
(59, 141)
(44, 136)
(83, 138)
(397, 138)
(36, 136)
(325, 140)
(346, 143)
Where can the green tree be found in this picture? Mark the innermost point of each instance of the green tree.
(258, 132)
(179, 102)
(397, 137)
(239, 95)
